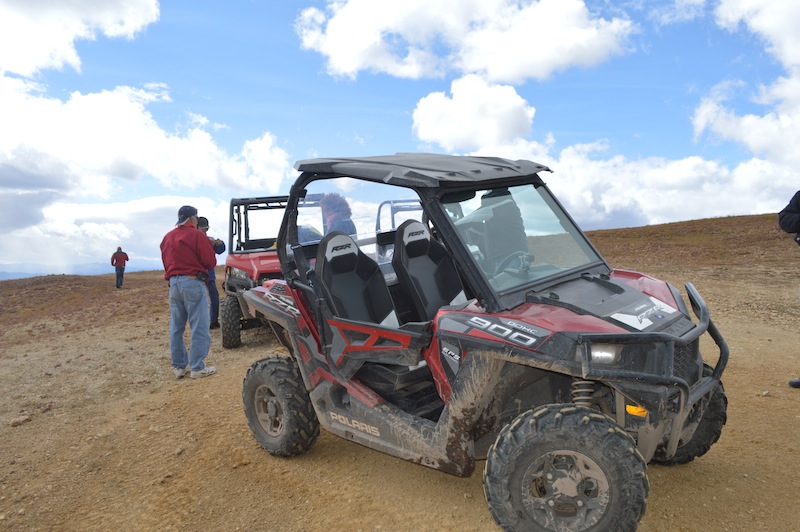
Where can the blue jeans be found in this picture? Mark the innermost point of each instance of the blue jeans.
(188, 301)
(120, 273)
(213, 298)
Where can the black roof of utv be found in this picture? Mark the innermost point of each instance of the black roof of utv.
(420, 170)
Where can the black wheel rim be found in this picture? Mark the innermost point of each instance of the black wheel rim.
(268, 411)
(565, 490)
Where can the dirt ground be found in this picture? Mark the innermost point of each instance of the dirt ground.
(96, 433)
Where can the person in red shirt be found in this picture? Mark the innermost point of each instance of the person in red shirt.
(118, 260)
(187, 255)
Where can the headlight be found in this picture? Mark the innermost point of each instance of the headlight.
(237, 273)
(606, 353)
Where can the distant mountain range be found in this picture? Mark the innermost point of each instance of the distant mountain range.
(23, 271)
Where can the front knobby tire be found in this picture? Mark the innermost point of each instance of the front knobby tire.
(278, 408)
(563, 467)
(708, 430)
(230, 321)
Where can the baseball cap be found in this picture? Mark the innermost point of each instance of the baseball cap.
(184, 213)
(202, 222)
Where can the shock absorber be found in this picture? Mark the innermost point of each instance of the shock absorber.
(582, 392)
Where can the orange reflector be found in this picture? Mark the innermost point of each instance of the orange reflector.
(636, 410)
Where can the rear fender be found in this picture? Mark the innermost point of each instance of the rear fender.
(275, 300)
(284, 307)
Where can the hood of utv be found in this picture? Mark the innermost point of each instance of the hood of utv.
(620, 304)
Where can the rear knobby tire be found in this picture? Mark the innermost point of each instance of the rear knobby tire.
(563, 467)
(278, 408)
(708, 430)
(230, 320)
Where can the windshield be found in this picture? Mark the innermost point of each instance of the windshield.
(518, 235)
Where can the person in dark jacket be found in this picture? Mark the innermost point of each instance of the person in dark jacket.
(213, 292)
(789, 221)
(337, 214)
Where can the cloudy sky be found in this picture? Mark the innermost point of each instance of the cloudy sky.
(113, 114)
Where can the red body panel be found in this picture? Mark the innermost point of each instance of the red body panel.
(646, 284)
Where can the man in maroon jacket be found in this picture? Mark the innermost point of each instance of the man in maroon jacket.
(118, 260)
(187, 255)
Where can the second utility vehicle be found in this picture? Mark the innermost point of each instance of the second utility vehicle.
(252, 259)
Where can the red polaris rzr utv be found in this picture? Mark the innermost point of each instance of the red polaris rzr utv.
(476, 321)
(252, 259)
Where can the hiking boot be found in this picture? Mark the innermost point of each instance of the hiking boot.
(180, 372)
(205, 372)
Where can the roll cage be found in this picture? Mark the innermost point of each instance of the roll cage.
(434, 179)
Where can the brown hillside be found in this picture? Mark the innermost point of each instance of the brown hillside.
(717, 242)
(97, 434)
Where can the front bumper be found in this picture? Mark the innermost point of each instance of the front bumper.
(668, 397)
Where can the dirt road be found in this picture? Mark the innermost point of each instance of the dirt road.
(97, 434)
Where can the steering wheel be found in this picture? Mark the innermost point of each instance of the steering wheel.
(515, 255)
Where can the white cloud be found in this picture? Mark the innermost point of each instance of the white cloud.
(380, 36)
(775, 133)
(677, 12)
(421, 38)
(774, 20)
(98, 139)
(267, 165)
(534, 40)
(41, 34)
(476, 114)
(90, 145)
(621, 192)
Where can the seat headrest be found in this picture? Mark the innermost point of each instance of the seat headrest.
(338, 245)
(413, 230)
(415, 238)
